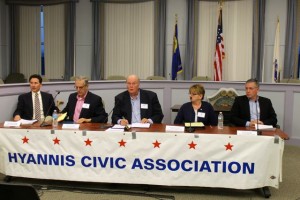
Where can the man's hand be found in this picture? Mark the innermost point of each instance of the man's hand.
(124, 122)
(254, 121)
(17, 118)
(82, 120)
(144, 120)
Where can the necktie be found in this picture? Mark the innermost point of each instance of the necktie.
(37, 107)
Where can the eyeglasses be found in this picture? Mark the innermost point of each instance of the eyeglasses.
(79, 88)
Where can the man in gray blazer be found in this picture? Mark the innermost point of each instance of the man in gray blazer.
(136, 105)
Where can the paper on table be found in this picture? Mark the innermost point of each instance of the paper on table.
(62, 117)
(265, 127)
(25, 121)
(140, 125)
(114, 130)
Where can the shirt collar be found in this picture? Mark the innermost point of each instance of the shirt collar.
(81, 98)
(136, 97)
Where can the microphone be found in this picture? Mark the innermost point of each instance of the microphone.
(43, 124)
(103, 126)
(257, 129)
(190, 129)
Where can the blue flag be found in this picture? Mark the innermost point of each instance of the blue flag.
(176, 61)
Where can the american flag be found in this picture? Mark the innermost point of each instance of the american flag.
(220, 51)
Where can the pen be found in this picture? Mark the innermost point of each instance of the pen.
(126, 126)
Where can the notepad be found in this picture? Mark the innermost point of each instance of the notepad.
(62, 117)
(194, 124)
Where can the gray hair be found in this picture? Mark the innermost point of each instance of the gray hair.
(80, 78)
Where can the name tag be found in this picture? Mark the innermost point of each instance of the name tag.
(86, 105)
(201, 114)
(144, 106)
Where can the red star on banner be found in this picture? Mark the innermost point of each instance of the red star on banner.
(229, 146)
(192, 145)
(122, 143)
(156, 144)
(88, 142)
(56, 141)
(25, 140)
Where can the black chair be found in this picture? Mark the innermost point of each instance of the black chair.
(10, 191)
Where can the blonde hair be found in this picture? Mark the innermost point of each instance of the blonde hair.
(197, 89)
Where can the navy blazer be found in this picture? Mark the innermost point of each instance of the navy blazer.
(186, 113)
(123, 107)
(240, 111)
(95, 112)
(25, 105)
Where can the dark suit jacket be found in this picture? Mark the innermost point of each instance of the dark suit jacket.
(123, 107)
(240, 111)
(96, 112)
(25, 105)
(186, 113)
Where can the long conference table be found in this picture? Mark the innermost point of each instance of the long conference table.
(208, 157)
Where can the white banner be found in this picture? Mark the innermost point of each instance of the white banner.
(177, 159)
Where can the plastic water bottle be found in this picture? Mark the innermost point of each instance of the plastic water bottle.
(54, 119)
(220, 120)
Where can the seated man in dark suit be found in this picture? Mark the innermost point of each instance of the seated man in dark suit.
(34, 104)
(249, 109)
(84, 106)
(136, 105)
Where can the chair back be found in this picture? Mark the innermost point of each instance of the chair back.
(116, 77)
(156, 78)
(201, 78)
(289, 80)
(45, 79)
(15, 78)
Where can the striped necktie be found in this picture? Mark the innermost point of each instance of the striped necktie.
(37, 107)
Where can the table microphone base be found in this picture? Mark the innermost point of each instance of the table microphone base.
(44, 124)
(190, 129)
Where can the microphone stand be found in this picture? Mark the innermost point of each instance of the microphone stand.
(257, 129)
(190, 129)
(103, 126)
(43, 124)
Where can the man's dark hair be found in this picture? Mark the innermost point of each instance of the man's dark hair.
(253, 80)
(36, 76)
